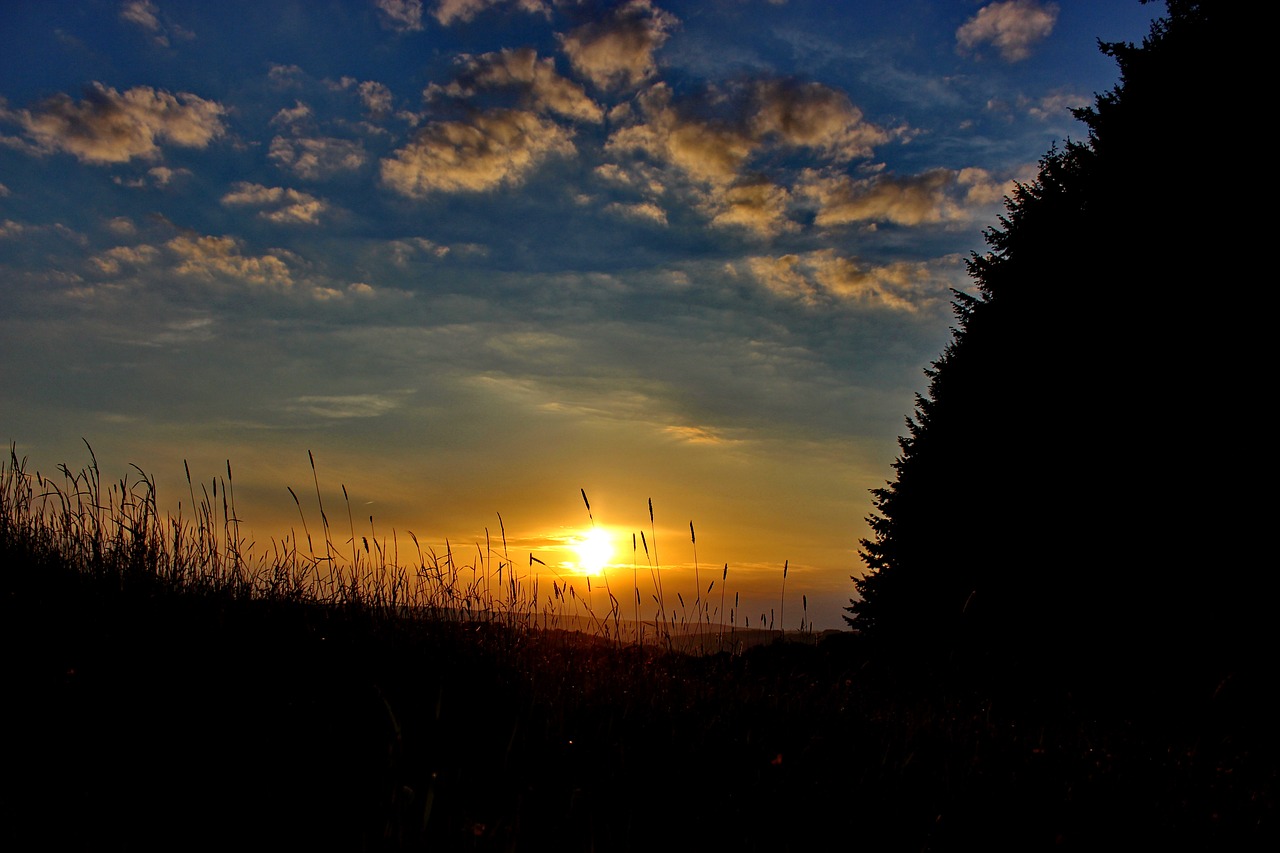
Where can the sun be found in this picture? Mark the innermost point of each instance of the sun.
(594, 551)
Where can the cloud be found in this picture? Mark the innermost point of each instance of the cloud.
(316, 158)
(617, 50)
(712, 140)
(285, 76)
(935, 196)
(108, 126)
(281, 205)
(10, 228)
(705, 150)
(156, 176)
(520, 69)
(142, 13)
(163, 175)
(113, 260)
(121, 225)
(4, 191)
(823, 277)
(1057, 105)
(811, 115)
(487, 151)
(375, 96)
(1011, 26)
(542, 88)
(404, 250)
(345, 406)
(643, 210)
(146, 15)
(700, 435)
(449, 11)
(758, 205)
(980, 188)
(401, 15)
(299, 112)
(220, 258)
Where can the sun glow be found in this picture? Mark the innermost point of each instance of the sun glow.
(594, 550)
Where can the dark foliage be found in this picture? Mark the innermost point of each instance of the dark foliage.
(147, 718)
(158, 701)
(1073, 494)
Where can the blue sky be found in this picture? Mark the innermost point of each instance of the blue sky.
(477, 255)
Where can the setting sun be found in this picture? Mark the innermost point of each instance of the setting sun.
(594, 550)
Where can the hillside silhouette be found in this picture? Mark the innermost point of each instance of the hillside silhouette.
(1071, 498)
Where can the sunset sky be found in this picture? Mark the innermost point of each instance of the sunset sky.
(479, 255)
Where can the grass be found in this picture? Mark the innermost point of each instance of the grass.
(172, 687)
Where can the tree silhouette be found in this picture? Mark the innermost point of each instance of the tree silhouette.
(1070, 487)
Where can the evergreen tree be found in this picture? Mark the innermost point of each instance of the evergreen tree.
(1053, 488)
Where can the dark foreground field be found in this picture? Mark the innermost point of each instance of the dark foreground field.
(144, 719)
(164, 691)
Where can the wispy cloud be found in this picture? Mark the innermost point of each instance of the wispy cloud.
(1057, 105)
(403, 251)
(315, 158)
(1010, 26)
(346, 406)
(453, 11)
(278, 204)
(640, 210)
(145, 14)
(825, 277)
(400, 15)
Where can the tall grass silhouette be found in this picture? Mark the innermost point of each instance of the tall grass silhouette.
(336, 691)
(117, 528)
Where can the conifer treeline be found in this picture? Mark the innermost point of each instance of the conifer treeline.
(1070, 490)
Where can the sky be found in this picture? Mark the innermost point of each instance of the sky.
(480, 257)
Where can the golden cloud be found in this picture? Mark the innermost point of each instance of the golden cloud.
(704, 150)
(618, 50)
(449, 11)
(811, 115)
(544, 89)
(823, 277)
(213, 258)
(490, 149)
(315, 158)
(108, 126)
(758, 205)
(1011, 26)
(641, 210)
(111, 261)
(280, 204)
(935, 196)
